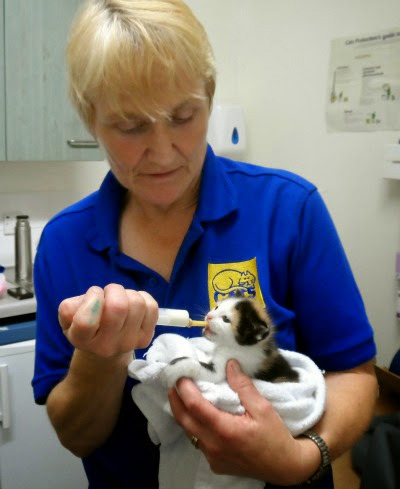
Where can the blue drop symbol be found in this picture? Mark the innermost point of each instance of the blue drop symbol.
(235, 136)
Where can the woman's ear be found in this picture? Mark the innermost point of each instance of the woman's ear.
(210, 90)
(91, 126)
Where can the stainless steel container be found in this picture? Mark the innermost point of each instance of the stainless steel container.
(23, 250)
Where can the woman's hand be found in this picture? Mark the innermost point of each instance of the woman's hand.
(256, 444)
(109, 322)
(104, 326)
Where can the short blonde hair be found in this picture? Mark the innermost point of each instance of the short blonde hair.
(137, 48)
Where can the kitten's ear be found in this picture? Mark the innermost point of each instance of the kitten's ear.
(238, 294)
(251, 327)
(262, 330)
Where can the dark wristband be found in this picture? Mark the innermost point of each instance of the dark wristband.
(325, 457)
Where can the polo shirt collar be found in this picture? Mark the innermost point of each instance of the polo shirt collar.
(217, 199)
(107, 211)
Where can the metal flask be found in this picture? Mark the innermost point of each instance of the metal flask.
(23, 251)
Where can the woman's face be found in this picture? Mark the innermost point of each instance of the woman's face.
(159, 161)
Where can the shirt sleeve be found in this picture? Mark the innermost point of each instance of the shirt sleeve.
(53, 350)
(331, 319)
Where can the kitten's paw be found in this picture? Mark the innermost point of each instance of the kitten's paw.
(180, 367)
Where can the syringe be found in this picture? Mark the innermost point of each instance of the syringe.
(177, 317)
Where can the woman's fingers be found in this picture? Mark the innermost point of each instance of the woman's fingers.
(67, 310)
(85, 322)
(190, 409)
(149, 320)
(249, 396)
(110, 321)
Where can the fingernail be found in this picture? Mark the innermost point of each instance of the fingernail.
(235, 366)
(177, 384)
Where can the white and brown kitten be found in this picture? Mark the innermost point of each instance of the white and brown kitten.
(241, 329)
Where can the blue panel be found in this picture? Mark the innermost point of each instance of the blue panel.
(15, 333)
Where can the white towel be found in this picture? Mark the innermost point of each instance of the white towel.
(300, 405)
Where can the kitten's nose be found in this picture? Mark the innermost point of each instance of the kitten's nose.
(209, 316)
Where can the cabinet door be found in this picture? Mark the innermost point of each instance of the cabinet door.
(30, 454)
(39, 117)
(2, 100)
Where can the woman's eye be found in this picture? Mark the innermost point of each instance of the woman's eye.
(181, 120)
(133, 128)
(182, 117)
(225, 319)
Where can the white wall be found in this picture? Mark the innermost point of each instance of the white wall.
(272, 58)
(79, 178)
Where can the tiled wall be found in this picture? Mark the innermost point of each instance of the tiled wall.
(39, 206)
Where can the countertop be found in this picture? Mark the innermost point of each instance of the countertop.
(17, 348)
(9, 306)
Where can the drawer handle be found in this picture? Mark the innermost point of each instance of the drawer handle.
(5, 417)
(76, 143)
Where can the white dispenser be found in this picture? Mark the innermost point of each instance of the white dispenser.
(391, 167)
(226, 130)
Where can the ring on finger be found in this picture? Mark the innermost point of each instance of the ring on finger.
(195, 442)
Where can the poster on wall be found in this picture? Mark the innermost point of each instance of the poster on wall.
(364, 82)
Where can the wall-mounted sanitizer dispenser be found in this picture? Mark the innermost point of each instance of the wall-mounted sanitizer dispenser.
(391, 167)
(226, 130)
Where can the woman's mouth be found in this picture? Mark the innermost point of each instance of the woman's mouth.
(165, 175)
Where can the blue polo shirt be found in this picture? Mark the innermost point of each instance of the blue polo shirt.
(262, 231)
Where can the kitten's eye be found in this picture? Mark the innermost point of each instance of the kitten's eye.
(215, 308)
(225, 319)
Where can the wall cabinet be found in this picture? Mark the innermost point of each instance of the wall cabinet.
(30, 454)
(38, 117)
(2, 98)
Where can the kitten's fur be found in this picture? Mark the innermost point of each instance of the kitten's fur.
(241, 329)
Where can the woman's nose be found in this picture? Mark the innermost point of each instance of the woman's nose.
(160, 143)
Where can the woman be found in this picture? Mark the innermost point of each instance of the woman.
(170, 223)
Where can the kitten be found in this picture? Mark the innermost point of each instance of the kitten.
(241, 329)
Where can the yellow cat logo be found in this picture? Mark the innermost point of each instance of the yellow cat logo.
(224, 279)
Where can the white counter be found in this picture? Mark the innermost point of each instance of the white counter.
(17, 348)
(9, 306)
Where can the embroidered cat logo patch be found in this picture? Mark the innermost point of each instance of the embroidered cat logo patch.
(224, 279)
